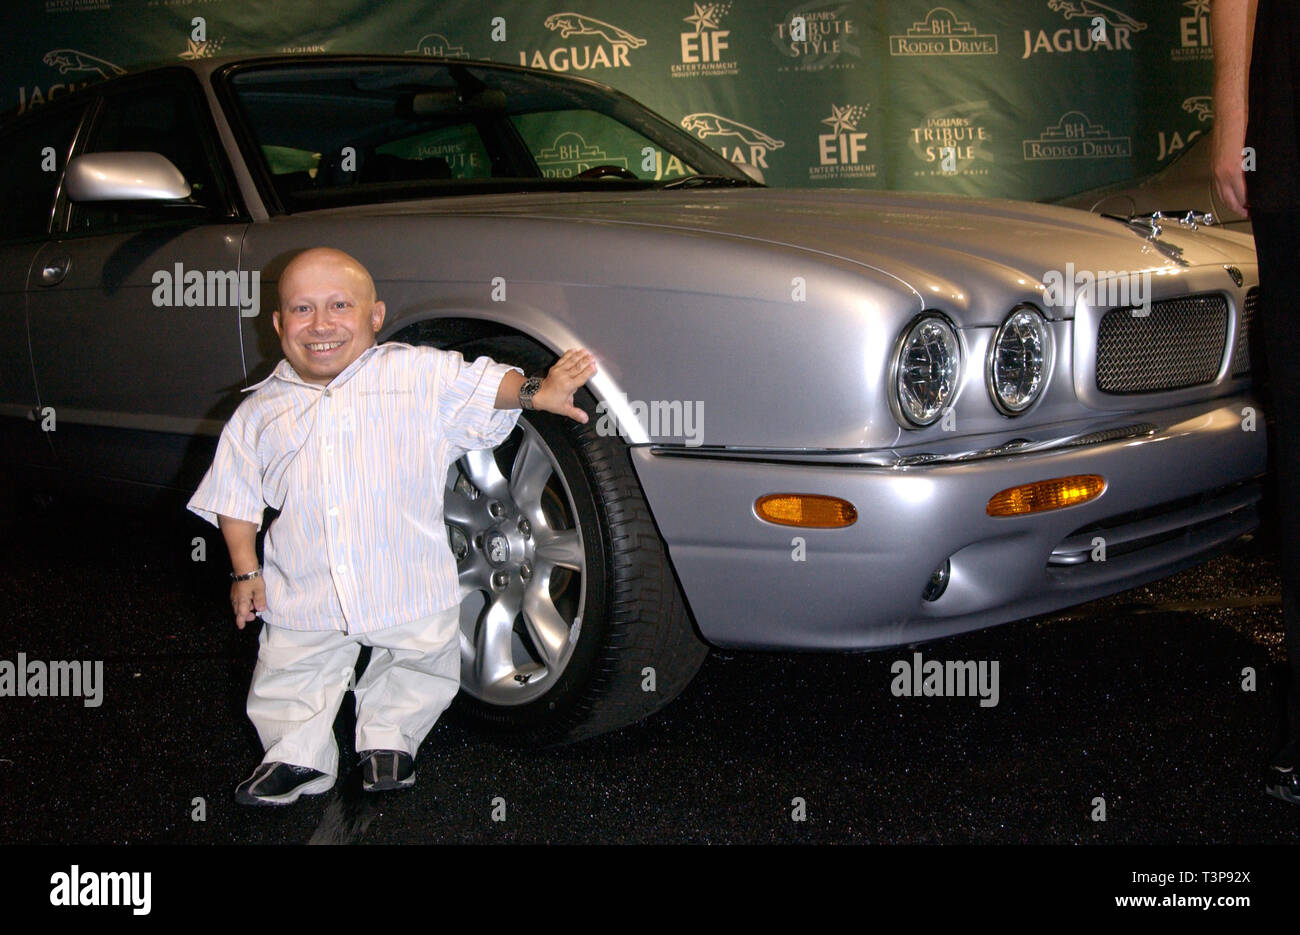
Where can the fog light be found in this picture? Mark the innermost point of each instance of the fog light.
(938, 582)
(806, 509)
(1046, 495)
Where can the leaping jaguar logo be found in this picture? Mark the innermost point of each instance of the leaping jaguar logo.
(1090, 9)
(575, 24)
(705, 125)
(66, 60)
(1201, 106)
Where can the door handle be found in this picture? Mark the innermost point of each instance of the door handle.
(54, 270)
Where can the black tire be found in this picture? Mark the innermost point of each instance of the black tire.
(635, 615)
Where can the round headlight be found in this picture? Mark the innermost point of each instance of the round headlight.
(1017, 365)
(927, 369)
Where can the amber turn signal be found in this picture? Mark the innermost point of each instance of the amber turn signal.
(1044, 495)
(806, 509)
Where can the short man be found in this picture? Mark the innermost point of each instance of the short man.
(1256, 80)
(351, 441)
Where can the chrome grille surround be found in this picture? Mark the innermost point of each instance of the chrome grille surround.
(1241, 353)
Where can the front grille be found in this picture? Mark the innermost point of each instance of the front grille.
(1179, 344)
(1241, 353)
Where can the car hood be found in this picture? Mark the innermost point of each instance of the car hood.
(987, 251)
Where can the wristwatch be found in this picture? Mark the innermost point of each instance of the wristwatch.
(526, 392)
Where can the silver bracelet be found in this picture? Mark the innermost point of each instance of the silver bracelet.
(246, 577)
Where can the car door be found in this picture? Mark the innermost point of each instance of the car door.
(141, 374)
(36, 147)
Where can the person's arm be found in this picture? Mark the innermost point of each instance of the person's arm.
(230, 498)
(555, 395)
(241, 541)
(508, 391)
(1232, 23)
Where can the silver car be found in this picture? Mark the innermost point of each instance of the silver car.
(824, 419)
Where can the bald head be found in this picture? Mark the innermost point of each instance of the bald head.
(310, 267)
(328, 313)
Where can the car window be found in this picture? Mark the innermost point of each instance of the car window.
(162, 119)
(567, 142)
(36, 152)
(285, 160)
(321, 133)
(455, 152)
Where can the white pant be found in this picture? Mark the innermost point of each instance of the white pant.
(300, 678)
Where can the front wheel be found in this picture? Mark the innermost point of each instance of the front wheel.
(572, 623)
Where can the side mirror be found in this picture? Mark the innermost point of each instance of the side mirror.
(125, 177)
(754, 172)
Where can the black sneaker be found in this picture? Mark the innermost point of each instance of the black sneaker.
(382, 770)
(1283, 781)
(281, 784)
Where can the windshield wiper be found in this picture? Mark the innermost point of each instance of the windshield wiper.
(705, 181)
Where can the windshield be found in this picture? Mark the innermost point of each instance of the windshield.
(349, 132)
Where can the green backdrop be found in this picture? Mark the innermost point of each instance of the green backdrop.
(1023, 98)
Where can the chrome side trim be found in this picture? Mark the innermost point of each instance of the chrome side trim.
(148, 422)
(877, 458)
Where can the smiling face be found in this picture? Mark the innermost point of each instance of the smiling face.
(327, 313)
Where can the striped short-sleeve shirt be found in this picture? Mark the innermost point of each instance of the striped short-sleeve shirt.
(357, 470)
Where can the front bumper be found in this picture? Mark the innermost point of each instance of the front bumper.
(1192, 481)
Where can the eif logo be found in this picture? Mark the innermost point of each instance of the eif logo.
(845, 143)
(840, 152)
(704, 45)
(1194, 42)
